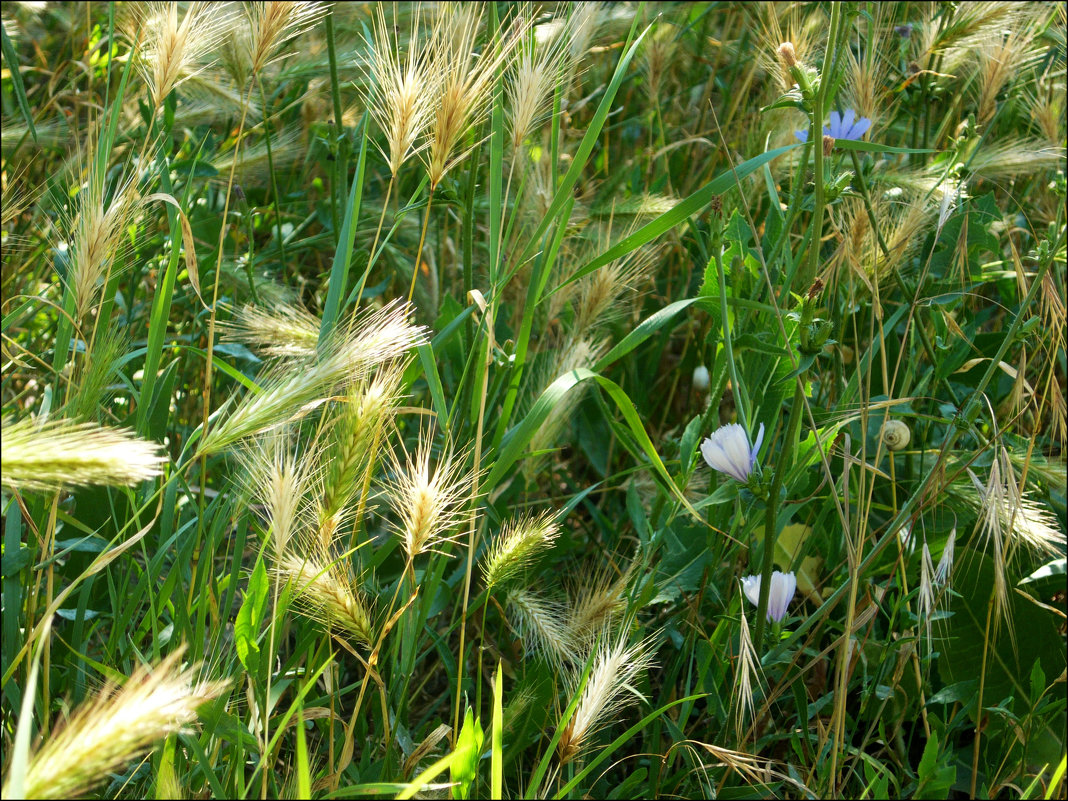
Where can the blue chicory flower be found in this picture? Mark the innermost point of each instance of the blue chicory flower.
(843, 126)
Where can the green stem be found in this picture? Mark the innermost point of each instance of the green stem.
(771, 528)
(274, 179)
(725, 331)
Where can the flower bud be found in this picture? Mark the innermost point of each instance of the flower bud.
(700, 378)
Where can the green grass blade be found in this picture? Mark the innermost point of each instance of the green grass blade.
(669, 219)
(339, 270)
(12, 59)
(497, 738)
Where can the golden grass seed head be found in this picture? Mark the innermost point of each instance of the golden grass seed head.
(107, 733)
(324, 592)
(607, 691)
(274, 23)
(285, 331)
(173, 48)
(542, 625)
(599, 598)
(59, 454)
(429, 502)
(399, 91)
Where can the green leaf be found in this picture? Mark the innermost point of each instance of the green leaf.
(516, 440)
(339, 270)
(646, 328)
(935, 778)
(876, 147)
(464, 770)
(249, 618)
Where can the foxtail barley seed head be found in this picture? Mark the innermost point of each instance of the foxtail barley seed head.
(536, 70)
(173, 49)
(518, 544)
(285, 331)
(97, 236)
(748, 672)
(325, 593)
(429, 503)
(380, 337)
(272, 24)
(543, 627)
(608, 690)
(465, 80)
(400, 92)
(107, 733)
(355, 437)
(280, 480)
(61, 453)
(599, 598)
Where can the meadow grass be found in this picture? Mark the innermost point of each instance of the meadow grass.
(504, 400)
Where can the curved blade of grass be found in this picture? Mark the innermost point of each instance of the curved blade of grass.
(877, 147)
(646, 328)
(497, 738)
(12, 59)
(516, 440)
(681, 211)
(616, 743)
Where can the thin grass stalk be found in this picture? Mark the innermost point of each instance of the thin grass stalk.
(472, 539)
(341, 165)
(771, 527)
(422, 239)
(274, 177)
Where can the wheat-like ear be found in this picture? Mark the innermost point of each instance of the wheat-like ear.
(400, 92)
(61, 453)
(285, 331)
(539, 65)
(288, 390)
(610, 681)
(598, 599)
(173, 48)
(354, 441)
(281, 480)
(430, 503)
(748, 670)
(465, 81)
(274, 23)
(325, 592)
(97, 235)
(543, 627)
(106, 734)
(517, 545)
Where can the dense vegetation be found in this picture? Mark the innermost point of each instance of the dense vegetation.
(526, 400)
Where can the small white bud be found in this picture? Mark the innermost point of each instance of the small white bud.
(700, 378)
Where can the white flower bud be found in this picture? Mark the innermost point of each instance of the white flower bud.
(700, 378)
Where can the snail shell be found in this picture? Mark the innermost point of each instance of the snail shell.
(896, 435)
